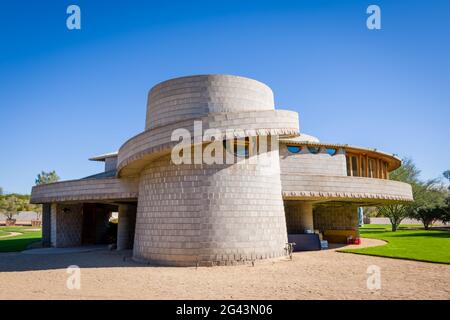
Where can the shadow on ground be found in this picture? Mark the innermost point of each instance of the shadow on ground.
(17, 261)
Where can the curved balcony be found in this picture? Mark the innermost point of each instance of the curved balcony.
(344, 188)
(148, 145)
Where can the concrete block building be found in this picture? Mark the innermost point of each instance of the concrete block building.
(281, 181)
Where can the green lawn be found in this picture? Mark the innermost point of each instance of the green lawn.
(19, 242)
(406, 243)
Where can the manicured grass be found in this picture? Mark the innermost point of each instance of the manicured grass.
(407, 243)
(19, 242)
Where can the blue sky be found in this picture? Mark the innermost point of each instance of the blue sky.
(68, 95)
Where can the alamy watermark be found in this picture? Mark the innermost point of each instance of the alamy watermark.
(226, 146)
(374, 277)
(373, 22)
(73, 282)
(73, 21)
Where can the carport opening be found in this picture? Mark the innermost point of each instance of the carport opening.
(98, 226)
(309, 224)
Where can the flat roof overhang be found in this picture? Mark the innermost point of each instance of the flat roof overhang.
(105, 189)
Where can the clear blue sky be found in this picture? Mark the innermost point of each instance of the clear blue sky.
(68, 95)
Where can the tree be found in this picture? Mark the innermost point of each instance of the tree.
(11, 205)
(36, 208)
(395, 212)
(446, 175)
(429, 203)
(407, 173)
(46, 177)
(1, 191)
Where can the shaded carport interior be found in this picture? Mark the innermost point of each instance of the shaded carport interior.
(334, 219)
(70, 224)
(77, 212)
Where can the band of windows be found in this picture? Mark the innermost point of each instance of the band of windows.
(359, 165)
(313, 150)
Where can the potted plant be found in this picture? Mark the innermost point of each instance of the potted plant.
(10, 222)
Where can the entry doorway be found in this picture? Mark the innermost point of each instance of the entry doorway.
(96, 227)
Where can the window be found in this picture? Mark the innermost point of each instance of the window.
(240, 147)
(294, 149)
(372, 168)
(360, 165)
(385, 171)
(349, 169)
(353, 165)
(363, 166)
(313, 150)
(331, 151)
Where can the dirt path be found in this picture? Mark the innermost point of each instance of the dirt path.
(323, 274)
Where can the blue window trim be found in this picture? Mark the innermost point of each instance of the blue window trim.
(313, 150)
(294, 149)
(242, 152)
(331, 151)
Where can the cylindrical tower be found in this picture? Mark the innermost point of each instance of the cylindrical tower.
(209, 214)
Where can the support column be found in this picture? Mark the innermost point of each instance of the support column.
(46, 224)
(126, 226)
(53, 225)
(306, 213)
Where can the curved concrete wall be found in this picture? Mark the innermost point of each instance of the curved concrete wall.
(305, 162)
(196, 96)
(141, 149)
(209, 214)
(319, 187)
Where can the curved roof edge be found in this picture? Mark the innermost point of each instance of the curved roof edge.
(105, 156)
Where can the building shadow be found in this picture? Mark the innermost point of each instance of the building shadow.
(18, 261)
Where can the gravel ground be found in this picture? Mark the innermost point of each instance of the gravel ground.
(310, 275)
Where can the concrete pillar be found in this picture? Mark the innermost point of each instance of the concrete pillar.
(46, 224)
(306, 214)
(53, 225)
(126, 226)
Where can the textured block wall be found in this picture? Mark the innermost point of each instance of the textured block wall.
(46, 225)
(53, 212)
(209, 214)
(66, 226)
(192, 97)
(335, 217)
(126, 226)
(110, 164)
(305, 162)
